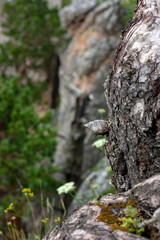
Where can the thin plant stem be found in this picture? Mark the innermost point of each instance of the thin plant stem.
(32, 211)
(10, 231)
(42, 209)
(64, 208)
(23, 235)
(50, 209)
(16, 231)
(71, 194)
(13, 232)
(33, 215)
(42, 203)
(94, 193)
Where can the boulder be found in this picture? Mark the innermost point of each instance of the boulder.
(99, 219)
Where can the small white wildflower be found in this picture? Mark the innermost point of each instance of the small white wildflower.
(66, 188)
(13, 218)
(101, 111)
(99, 143)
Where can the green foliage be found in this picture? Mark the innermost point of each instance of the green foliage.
(98, 166)
(28, 141)
(34, 35)
(66, 3)
(109, 170)
(129, 5)
(131, 220)
(12, 216)
(100, 1)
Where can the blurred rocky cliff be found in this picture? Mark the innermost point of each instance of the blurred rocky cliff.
(94, 27)
(95, 30)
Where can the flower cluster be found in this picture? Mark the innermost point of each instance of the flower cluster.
(45, 220)
(57, 220)
(10, 207)
(27, 192)
(99, 143)
(66, 188)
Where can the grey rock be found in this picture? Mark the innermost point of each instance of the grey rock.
(84, 223)
(85, 66)
(76, 11)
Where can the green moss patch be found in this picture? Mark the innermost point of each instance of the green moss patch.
(111, 215)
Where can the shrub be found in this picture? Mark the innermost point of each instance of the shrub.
(129, 5)
(27, 141)
(34, 35)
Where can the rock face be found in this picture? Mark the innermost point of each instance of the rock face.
(76, 12)
(91, 222)
(95, 35)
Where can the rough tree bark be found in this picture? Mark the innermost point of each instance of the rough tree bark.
(133, 96)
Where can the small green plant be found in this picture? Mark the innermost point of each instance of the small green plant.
(13, 230)
(129, 5)
(93, 188)
(109, 170)
(68, 188)
(100, 143)
(101, 112)
(28, 142)
(105, 84)
(131, 220)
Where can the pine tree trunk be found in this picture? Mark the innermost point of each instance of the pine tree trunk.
(133, 96)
